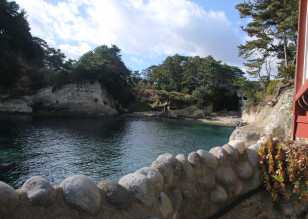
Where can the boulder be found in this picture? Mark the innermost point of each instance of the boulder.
(219, 153)
(187, 168)
(252, 157)
(116, 194)
(140, 186)
(238, 145)
(225, 175)
(233, 153)
(175, 197)
(153, 175)
(81, 192)
(164, 204)
(244, 170)
(8, 199)
(188, 190)
(218, 195)
(165, 170)
(195, 160)
(207, 182)
(171, 161)
(208, 158)
(39, 191)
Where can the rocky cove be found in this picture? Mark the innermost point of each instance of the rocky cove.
(197, 186)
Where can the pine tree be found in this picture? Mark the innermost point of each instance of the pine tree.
(273, 33)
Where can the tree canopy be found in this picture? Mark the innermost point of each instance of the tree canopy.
(272, 28)
(16, 44)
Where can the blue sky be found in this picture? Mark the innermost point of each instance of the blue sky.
(147, 31)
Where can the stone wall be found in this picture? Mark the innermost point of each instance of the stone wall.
(74, 98)
(173, 187)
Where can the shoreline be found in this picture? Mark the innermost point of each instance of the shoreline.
(217, 120)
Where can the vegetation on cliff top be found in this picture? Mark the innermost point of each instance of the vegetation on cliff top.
(28, 63)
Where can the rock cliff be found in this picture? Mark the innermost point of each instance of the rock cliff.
(74, 98)
(276, 121)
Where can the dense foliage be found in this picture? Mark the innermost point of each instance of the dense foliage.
(18, 50)
(284, 170)
(105, 65)
(208, 80)
(272, 29)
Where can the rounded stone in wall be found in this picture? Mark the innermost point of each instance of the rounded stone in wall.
(39, 191)
(8, 198)
(218, 195)
(188, 190)
(195, 159)
(153, 175)
(187, 168)
(225, 175)
(175, 197)
(165, 170)
(208, 158)
(233, 153)
(252, 157)
(207, 182)
(237, 187)
(81, 192)
(244, 170)
(164, 204)
(116, 194)
(171, 161)
(238, 145)
(219, 153)
(140, 186)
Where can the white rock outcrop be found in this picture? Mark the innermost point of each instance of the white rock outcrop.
(74, 98)
(275, 121)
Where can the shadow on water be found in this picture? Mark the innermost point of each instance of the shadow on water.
(102, 148)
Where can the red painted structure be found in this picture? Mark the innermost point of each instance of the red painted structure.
(300, 108)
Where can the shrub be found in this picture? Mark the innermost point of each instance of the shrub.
(284, 170)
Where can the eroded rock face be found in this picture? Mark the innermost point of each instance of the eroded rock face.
(79, 98)
(275, 120)
(15, 105)
(40, 192)
(8, 198)
(82, 192)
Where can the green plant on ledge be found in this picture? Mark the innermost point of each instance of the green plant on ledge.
(284, 170)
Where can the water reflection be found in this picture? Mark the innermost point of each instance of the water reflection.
(103, 148)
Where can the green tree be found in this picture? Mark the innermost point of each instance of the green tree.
(16, 44)
(53, 59)
(273, 32)
(105, 65)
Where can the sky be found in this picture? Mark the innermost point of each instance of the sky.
(146, 31)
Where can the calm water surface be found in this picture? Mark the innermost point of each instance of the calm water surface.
(102, 148)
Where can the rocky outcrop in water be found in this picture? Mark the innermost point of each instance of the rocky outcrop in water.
(73, 98)
(276, 121)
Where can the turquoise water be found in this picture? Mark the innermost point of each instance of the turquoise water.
(102, 148)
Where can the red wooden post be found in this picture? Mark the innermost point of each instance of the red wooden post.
(300, 107)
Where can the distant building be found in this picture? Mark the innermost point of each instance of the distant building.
(300, 108)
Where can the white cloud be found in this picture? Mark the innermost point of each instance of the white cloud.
(136, 60)
(139, 27)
